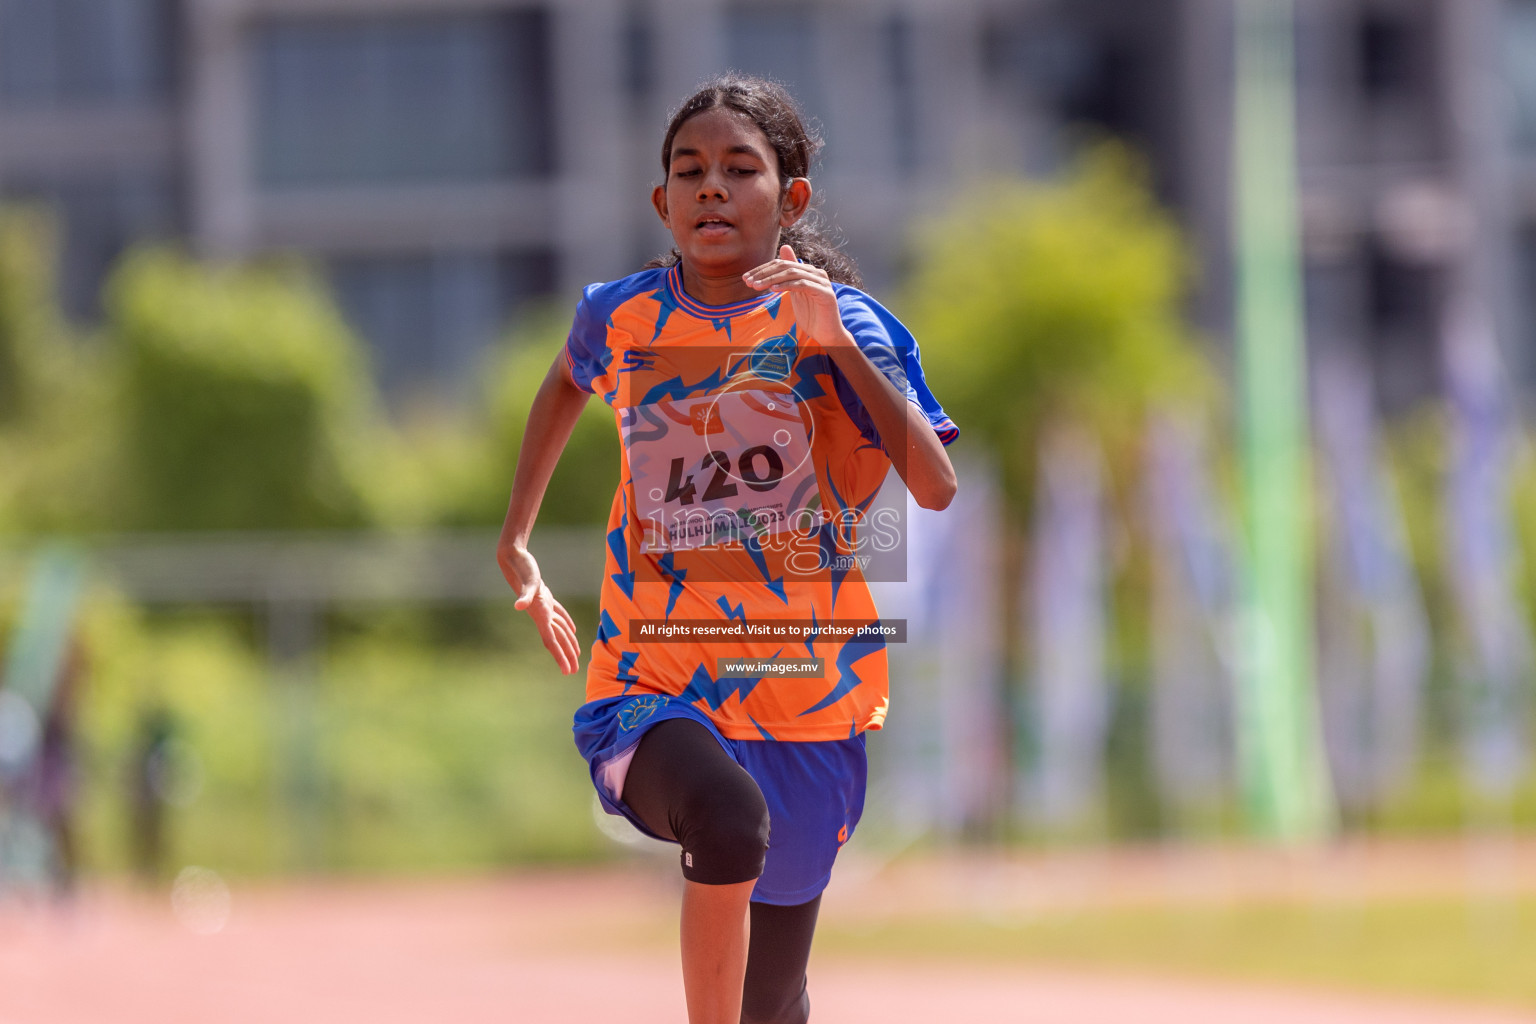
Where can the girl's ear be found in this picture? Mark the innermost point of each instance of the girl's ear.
(659, 200)
(797, 199)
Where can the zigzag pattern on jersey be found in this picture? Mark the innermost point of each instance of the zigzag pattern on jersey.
(626, 669)
(642, 341)
(715, 692)
(619, 549)
(847, 679)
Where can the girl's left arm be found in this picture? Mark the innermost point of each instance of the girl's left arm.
(921, 462)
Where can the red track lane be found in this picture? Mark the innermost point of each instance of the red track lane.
(555, 948)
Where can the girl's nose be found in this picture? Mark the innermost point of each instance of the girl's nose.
(712, 187)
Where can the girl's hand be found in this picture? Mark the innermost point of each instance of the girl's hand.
(810, 295)
(556, 627)
(906, 435)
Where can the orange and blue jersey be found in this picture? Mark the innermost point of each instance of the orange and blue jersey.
(748, 463)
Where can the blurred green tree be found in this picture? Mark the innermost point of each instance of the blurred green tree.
(56, 410)
(245, 398)
(1037, 302)
(29, 317)
(582, 487)
(1050, 304)
(477, 474)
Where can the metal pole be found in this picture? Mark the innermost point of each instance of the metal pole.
(1284, 779)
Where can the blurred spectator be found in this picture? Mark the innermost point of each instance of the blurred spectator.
(150, 781)
(49, 784)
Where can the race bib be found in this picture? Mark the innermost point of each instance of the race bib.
(718, 468)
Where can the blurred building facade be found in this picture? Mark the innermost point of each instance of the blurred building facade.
(445, 160)
(1417, 152)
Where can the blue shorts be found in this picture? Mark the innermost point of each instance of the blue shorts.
(814, 791)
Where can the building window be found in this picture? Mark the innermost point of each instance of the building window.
(1081, 73)
(1520, 68)
(62, 53)
(1403, 319)
(1390, 57)
(899, 43)
(639, 50)
(403, 100)
(97, 219)
(778, 42)
(429, 318)
(1055, 65)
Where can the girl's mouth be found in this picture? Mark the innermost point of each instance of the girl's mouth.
(712, 227)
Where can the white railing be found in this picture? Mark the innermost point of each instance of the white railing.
(323, 568)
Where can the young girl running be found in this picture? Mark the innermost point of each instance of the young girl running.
(761, 400)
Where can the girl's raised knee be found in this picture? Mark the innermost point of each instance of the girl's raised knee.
(725, 840)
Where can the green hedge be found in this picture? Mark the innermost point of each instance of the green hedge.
(420, 758)
(243, 395)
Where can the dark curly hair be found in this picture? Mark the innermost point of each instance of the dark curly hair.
(768, 105)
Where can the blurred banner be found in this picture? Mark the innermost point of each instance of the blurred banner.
(1191, 614)
(1375, 641)
(1496, 656)
(1494, 647)
(1065, 605)
(944, 747)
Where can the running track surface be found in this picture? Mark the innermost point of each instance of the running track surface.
(557, 947)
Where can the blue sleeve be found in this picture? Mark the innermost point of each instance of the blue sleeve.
(586, 347)
(886, 342)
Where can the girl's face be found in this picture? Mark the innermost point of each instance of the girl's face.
(723, 199)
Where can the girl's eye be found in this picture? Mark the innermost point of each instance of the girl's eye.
(688, 173)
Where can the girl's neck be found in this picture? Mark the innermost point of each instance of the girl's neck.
(716, 290)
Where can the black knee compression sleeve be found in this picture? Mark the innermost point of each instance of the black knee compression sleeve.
(724, 834)
(779, 950)
(684, 786)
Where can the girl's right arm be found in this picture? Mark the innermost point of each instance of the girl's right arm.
(555, 411)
